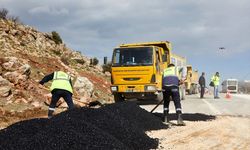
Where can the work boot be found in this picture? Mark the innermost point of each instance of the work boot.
(166, 117)
(180, 121)
(50, 114)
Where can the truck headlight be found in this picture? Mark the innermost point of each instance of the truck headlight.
(150, 88)
(113, 88)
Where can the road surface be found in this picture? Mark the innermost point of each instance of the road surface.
(211, 124)
(236, 105)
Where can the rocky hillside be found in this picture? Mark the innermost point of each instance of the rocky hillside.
(26, 55)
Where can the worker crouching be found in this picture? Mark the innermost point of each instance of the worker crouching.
(171, 89)
(61, 87)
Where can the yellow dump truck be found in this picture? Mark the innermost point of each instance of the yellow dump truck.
(180, 62)
(137, 70)
(191, 82)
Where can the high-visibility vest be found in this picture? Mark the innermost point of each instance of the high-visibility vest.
(215, 79)
(61, 80)
(170, 77)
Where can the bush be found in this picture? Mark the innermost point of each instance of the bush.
(106, 67)
(80, 61)
(56, 37)
(94, 61)
(3, 13)
(14, 19)
(57, 52)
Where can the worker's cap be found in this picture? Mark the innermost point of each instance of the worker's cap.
(171, 65)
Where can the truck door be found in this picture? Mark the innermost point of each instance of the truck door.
(159, 68)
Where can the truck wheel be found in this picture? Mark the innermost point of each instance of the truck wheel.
(118, 97)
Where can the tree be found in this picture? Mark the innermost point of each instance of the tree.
(3, 13)
(56, 37)
(106, 67)
(94, 61)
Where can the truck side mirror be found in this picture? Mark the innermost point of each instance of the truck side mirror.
(164, 58)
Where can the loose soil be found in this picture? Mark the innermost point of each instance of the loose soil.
(225, 132)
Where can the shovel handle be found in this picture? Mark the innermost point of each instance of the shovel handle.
(157, 105)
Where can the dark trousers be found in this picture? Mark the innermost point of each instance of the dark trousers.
(202, 91)
(173, 92)
(57, 94)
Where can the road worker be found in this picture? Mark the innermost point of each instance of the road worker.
(183, 77)
(202, 82)
(216, 81)
(171, 84)
(61, 87)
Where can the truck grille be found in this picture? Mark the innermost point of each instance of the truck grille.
(131, 79)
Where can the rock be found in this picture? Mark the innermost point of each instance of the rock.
(25, 70)
(2, 111)
(20, 100)
(19, 80)
(63, 105)
(2, 60)
(14, 32)
(5, 91)
(10, 64)
(1, 70)
(107, 73)
(21, 28)
(5, 87)
(4, 82)
(11, 76)
(84, 87)
(36, 104)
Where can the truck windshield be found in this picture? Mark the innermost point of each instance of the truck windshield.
(139, 56)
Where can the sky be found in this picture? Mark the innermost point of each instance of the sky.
(196, 28)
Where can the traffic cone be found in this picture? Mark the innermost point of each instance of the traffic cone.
(228, 96)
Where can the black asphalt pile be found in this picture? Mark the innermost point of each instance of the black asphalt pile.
(137, 116)
(116, 126)
(64, 135)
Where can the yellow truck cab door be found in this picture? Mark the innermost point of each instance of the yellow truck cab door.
(159, 68)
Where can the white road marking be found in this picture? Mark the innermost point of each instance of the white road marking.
(213, 109)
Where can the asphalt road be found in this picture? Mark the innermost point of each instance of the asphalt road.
(236, 105)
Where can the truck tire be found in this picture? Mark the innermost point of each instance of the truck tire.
(118, 97)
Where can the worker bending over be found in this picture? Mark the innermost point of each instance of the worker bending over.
(171, 84)
(61, 87)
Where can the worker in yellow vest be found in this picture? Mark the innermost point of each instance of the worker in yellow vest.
(170, 85)
(61, 87)
(216, 80)
(182, 86)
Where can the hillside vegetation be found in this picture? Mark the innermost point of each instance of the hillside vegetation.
(27, 55)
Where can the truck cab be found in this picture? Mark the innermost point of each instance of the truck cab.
(137, 69)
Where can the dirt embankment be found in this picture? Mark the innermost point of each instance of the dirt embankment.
(225, 132)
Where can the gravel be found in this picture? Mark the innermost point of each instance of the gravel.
(115, 126)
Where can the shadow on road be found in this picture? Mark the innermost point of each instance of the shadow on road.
(189, 116)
